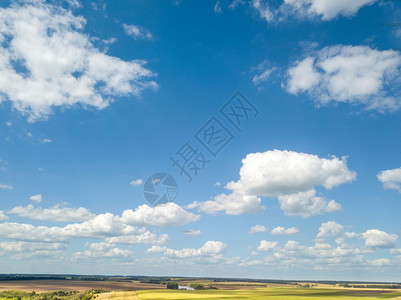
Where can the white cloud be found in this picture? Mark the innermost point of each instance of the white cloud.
(257, 229)
(395, 251)
(137, 32)
(28, 232)
(306, 204)
(156, 249)
(209, 249)
(192, 232)
(101, 226)
(330, 229)
(104, 250)
(264, 71)
(231, 204)
(55, 213)
(267, 245)
(279, 230)
(391, 179)
(290, 176)
(145, 238)
(5, 186)
(379, 239)
(9, 124)
(235, 3)
(323, 9)
(57, 65)
(3, 217)
(168, 214)
(13, 247)
(327, 9)
(349, 74)
(136, 182)
(36, 198)
(277, 172)
(264, 10)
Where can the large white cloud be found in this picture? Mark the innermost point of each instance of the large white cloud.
(290, 176)
(168, 214)
(55, 213)
(277, 172)
(47, 61)
(349, 74)
(391, 179)
(379, 239)
(301, 9)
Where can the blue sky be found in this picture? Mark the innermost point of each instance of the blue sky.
(98, 96)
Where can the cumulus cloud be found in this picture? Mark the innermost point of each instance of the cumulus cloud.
(265, 246)
(290, 176)
(379, 239)
(47, 61)
(330, 229)
(55, 213)
(231, 204)
(209, 249)
(101, 226)
(137, 32)
(36, 198)
(334, 230)
(301, 9)
(104, 250)
(145, 238)
(391, 179)
(168, 214)
(277, 172)
(257, 229)
(20, 246)
(349, 74)
(306, 204)
(279, 230)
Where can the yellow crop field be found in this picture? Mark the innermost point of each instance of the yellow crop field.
(270, 294)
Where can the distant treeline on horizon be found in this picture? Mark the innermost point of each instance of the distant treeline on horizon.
(154, 279)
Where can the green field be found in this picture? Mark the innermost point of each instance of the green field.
(271, 294)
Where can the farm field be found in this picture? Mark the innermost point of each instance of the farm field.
(272, 294)
(41, 286)
(135, 290)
